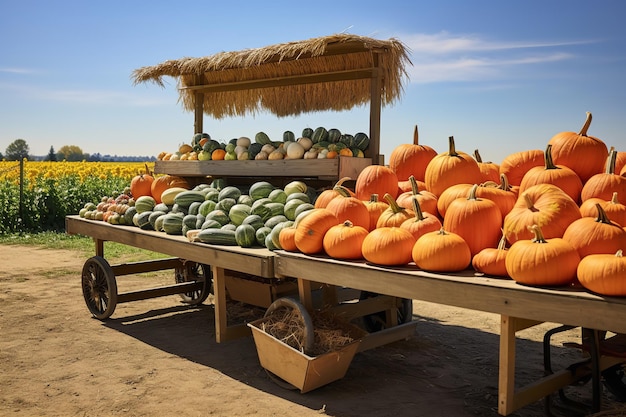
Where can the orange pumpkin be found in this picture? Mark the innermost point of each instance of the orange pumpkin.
(375, 208)
(411, 159)
(427, 200)
(141, 184)
(310, 230)
(166, 182)
(390, 246)
(517, 164)
(502, 194)
(492, 261)
(376, 179)
(620, 160)
(423, 222)
(541, 261)
(490, 170)
(604, 184)
(344, 241)
(449, 168)
(599, 235)
(347, 207)
(545, 205)
(584, 154)
(441, 251)
(394, 215)
(325, 196)
(287, 238)
(561, 176)
(449, 195)
(478, 221)
(604, 274)
(614, 210)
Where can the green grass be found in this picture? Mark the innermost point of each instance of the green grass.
(114, 252)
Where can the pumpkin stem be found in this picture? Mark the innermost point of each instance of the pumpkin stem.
(502, 242)
(618, 253)
(614, 199)
(374, 198)
(472, 192)
(419, 216)
(602, 216)
(393, 204)
(548, 158)
(348, 223)
(413, 183)
(504, 183)
(538, 234)
(442, 232)
(529, 202)
(610, 162)
(342, 180)
(452, 148)
(477, 156)
(415, 136)
(583, 131)
(343, 191)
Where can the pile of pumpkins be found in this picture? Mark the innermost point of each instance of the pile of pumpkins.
(319, 143)
(549, 217)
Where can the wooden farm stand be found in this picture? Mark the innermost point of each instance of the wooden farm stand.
(325, 70)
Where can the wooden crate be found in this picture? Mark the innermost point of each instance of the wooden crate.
(302, 371)
(257, 292)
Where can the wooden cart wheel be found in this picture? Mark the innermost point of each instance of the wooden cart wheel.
(193, 271)
(99, 287)
(378, 321)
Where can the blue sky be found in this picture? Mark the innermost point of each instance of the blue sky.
(499, 76)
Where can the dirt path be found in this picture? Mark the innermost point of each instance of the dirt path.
(159, 357)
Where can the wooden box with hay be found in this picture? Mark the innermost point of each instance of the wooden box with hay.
(304, 351)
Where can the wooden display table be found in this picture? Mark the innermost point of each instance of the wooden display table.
(519, 307)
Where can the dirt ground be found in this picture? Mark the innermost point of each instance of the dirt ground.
(159, 357)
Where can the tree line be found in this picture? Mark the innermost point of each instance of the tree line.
(19, 149)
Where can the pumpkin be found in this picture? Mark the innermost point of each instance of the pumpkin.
(604, 273)
(423, 222)
(375, 208)
(449, 168)
(489, 170)
(614, 210)
(427, 200)
(478, 221)
(584, 154)
(561, 176)
(541, 261)
(394, 215)
(348, 207)
(517, 164)
(287, 238)
(545, 205)
(620, 161)
(390, 246)
(449, 195)
(325, 196)
(411, 159)
(492, 261)
(502, 194)
(376, 179)
(141, 185)
(344, 241)
(595, 235)
(441, 251)
(311, 228)
(165, 182)
(604, 184)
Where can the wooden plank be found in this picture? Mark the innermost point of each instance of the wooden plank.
(330, 169)
(163, 291)
(386, 336)
(145, 266)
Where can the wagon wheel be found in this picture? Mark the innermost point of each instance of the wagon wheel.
(193, 271)
(308, 339)
(99, 287)
(378, 321)
(614, 378)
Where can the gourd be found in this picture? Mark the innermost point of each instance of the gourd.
(144, 203)
(441, 251)
(245, 235)
(230, 191)
(173, 224)
(295, 151)
(478, 221)
(389, 246)
(603, 273)
(164, 182)
(169, 195)
(449, 168)
(238, 213)
(186, 198)
(541, 261)
(310, 230)
(561, 176)
(223, 237)
(262, 138)
(260, 189)
(408, 160)
(595, 235)
(344, 241)
(584, 154)
(376, 179)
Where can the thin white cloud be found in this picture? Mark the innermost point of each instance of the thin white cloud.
(15, 70)
(445, 57)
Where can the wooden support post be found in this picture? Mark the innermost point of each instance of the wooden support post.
(373, 151)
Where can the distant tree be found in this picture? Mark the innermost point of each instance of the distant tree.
(17, 150)
(52, 156)
(1, 156)
(70, 153)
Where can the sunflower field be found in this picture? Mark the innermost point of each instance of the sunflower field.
(36, 196)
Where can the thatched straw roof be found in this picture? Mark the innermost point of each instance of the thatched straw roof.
(326, 73)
